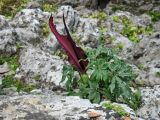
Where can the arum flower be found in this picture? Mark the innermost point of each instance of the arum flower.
(76, 56)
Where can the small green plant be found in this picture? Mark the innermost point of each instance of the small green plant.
(117, 108)
(100, 16)
(49, 7)
(130, 30)
(11, 61)
(102, 38)
(135, 101)
(119, 46)
(9, 81)
(155, 16)
(76, 38)
(158, 74)
(45, 29)
(116, 7)
(110, 78)
(115, 18)
(140, 66)
(37, 77)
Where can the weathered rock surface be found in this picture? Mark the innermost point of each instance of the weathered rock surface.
(4, 68)
(28, 25)
(3, 22)
(8, 39)
(51, 107)
(146, 54)
(151, 103)
(40, 68)
(157, 26)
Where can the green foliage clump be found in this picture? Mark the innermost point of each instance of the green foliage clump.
(110, 78)
(11, 61)
(155, 16)
(9, 8)
(117, 108)
(37, 77)
(76, 38)
(45, 29)
(100, 16)
(118, 7)
(47, 7)
(8, 80)
(158, 74)
(130, 30)
(136, 100)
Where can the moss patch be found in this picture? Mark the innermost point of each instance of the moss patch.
(117, 108)
(100, 15)
(45, 29)
(47, 7)
(9, 8)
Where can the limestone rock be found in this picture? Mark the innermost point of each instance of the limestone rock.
(3, 22)
(147, 55)
(8, 42)
(40, 68)
(50, 107)
(151, 103)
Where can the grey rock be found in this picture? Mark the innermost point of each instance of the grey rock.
(143, 20)
(26, 18)
(28, 24)
(8, 42)
(85, 28)
(0, 81)
(146, 7)
(3, 22)
(30, 19)
(50, 44)
(40, 68)
(73, 3)
(125, 43)
(50, 107)
(26, 36)
(4, 68)
(33, 5)
(151, 103)
(156, 9)
(157, 26)
(147, 55)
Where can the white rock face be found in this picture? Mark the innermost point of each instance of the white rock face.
(46, 106)
(147, 54)
(30, 19)
(151, 103)
(8, 42)
(28, 25)
(36, 63)
(157, 26)
(3, 22)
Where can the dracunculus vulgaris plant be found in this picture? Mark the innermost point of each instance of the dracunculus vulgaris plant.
(76, 56)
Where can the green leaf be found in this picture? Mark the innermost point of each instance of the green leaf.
(112, 85)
